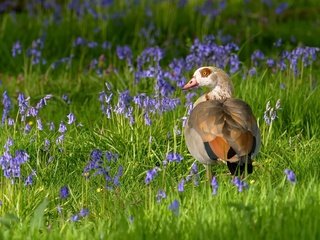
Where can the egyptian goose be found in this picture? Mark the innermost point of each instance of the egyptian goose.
(219, 127)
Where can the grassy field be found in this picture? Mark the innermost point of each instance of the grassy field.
(93, 113)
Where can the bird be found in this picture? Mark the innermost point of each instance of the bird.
(221, 128)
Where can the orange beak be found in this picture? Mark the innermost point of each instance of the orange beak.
(191, 84)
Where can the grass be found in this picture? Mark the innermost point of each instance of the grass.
(271, 208)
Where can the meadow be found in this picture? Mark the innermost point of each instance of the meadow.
(92, 143)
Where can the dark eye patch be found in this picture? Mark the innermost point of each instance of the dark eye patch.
(205, 72)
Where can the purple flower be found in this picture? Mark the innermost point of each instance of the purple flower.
(46, 144)
(270, 62)
(27, 128)
(79, 41)
(75, 218)
(147, 119)
(116, 179)
(174, 157)
(270, 114)
(29, 179)
(62, 128)
(16, 49)
(10, 121)
(123, 102)
(60, 139)
(59, 209)
(181, 185)
(39, 124)
(64, 192)
(214, 185)
(290, 176)
(151, 174)
(256, 56)
(161, 195)
(43, 101)
(84, 212)
(71, 118)
(66, 99)
(23, 104)
(105, 104)
(32, 111)
(92, 44)
(125, 53)
(240, 184)
(281, 8)
(252, 71)
(51, 126)
(35, 52)
(6, 101)
(8, 144)
(278, 43)
(174, 207)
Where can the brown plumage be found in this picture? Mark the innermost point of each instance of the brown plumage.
(221, 128)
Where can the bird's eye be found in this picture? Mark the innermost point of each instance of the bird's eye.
(205, 72)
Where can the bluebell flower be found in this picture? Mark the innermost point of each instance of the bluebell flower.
(270, 62)
(10, 121)
(62, 128)
(46, 144)
(161, 195)
(75, 218)
(290, 175)
(27, 128)
(35, 52)
(125, 53)
(256, 56)
(174, 207)
(66, 99)
(124, 102)
(281, 8)
(64, 192)
(39, 124)
(278, 43)
(8, 144)
(252, 71)
(116, 179)
(181, 185)
(84, 212)
(32, 111)
(6, 101)
(151, 174)
(79, 42)
(240, 184)
(270, 114)
(59, 209)
(110, 156)
(29, 179)
(71, 118)
(214, 185)
(147, 119)
(60, 139)
(106, 45)
(51, 126)
(16, 49)
(105, 103)
(23, 104)
(174, 157)
(43, 101)
(92, 44)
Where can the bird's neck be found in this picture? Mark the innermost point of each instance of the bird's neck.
(220, 92)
